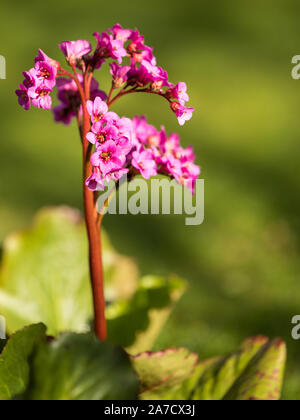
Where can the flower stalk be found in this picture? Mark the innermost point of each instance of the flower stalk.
(112, 146)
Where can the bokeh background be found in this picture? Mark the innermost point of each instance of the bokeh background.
(243, 262)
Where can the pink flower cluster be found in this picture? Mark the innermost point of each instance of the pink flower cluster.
(140, 74)
(135, 147)
(38, 84)
(122, 146)
(118, 43)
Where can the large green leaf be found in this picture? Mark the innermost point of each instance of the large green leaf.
(44, 274)
(14, 360)
(135, 323)
(255, 372)
(80, 367)
(44, 278)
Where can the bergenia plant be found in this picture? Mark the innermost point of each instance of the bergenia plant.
(113, 146)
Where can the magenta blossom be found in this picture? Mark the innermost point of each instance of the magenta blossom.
(97, 109)
(102, 133)
(138, 50)
(119, 33)
(119, 74)
(63, 114)
(108, 158)
(155, 74)
(117, 174)
(183, 113)
(95, 181)
(174, 166)
(40, 96)
(108, 47)
(143, 160)
(120, 145)
(30, 78)
(179, 93)
(75, 50)
(44, 57)
(145, 133)
(23, 97)
(45, 73)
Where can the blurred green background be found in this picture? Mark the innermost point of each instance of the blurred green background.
(243, 262)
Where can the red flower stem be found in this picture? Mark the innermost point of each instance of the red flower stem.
(91, 216)
(110, 93)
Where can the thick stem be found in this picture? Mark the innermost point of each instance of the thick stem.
(93, 226)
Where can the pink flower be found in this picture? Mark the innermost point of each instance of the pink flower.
(67, 92)
(117, 50)
(191, 169)
(108, 47)
(174, 166)
(23, 97)
(179, 93)
(97, 109)
(155, 74)
(40, 95)
(95, 181)
(125, 127)
(119, 74)
(116, 175)
(183, 113)
(143, 160)
(108, 158)
(44, 57)
(144, 133)
(102, 133)
(120, 33)
(138, 50)
(184, 154)
(45, 73)
(63, 114)
(170, 144)
(30, 79)
(75, 50)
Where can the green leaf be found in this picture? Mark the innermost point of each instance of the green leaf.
(262, 380)
(161, 374)
(44, 277)
(135, 323)
(255, 372)
(44, 274)
(14, 360)
(80, 367)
